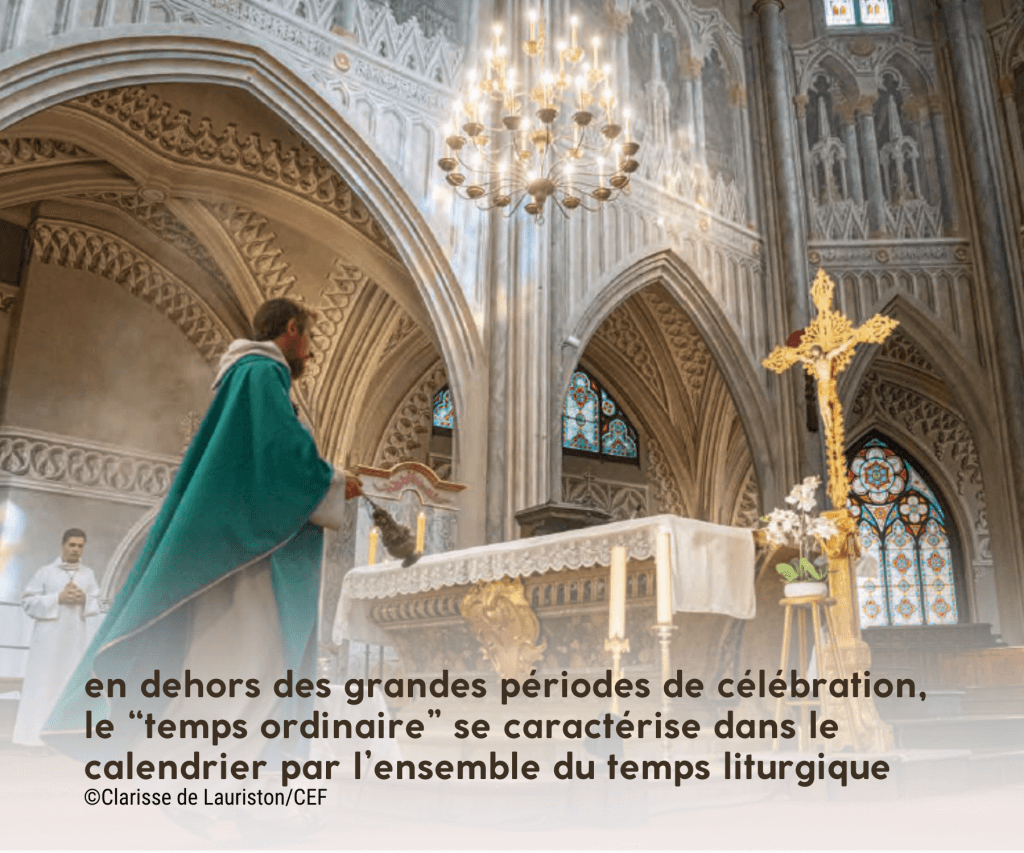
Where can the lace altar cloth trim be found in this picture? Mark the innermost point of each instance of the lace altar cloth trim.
(712, 567)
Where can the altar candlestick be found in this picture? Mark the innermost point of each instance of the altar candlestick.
(617, 594)
(421, 531)
(372, 555)
(663, 564)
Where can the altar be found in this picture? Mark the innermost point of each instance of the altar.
(545, 600)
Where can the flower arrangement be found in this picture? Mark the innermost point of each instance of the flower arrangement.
(801, 529)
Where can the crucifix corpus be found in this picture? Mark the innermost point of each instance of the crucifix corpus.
(825, 349)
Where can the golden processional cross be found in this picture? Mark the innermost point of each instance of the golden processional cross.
(825, 350)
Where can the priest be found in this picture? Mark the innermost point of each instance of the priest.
(227, 584)
(62, 598)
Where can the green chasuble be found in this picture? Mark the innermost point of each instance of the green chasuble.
(241, 499)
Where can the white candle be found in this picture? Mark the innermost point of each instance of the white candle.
(617, 594)
(371, 557)
(663, 566)
(421, 531)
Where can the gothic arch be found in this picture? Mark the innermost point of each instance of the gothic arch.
(126, 553)
(1012, 53)
(666, 268)
(909, 67)
(831, 61)
(962, 381)
(160, 53)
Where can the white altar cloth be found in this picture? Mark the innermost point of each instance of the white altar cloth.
(712, 568)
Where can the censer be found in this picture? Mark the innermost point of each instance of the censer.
(397, 538)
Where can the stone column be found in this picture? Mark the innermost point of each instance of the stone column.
(1013, 131)
(853, 180)
(789, 233)
(104, 13)
(694, 70)
(13, 23)
(748, 156)
(498, 320)
(949, 208)
(745, 154)
(995, 257)
(67, 10)
(619, 44)
(917, 109)
(784, 159)
(810, 179)
(872, 167)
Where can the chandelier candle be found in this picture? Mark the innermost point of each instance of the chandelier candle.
(546, 131)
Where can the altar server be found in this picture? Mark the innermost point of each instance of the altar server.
(60, 597)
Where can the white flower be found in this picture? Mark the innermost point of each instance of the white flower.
(782, 524)
(802, 496)
(823, 528)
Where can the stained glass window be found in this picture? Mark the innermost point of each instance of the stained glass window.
(875, 12)
(594, 425)
(851, 13)
(839, 13)
(903, 525)
(444, 411)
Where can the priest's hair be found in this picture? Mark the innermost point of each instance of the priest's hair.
(71, 533)
(272, 318)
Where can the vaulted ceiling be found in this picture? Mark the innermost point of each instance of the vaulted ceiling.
(204, 203)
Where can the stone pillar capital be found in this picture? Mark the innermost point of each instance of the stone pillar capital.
(935, 103)
(916, 106)
(738, 95)
(1006, 86)
(800, 101)
(619, 21)
(845, 109)
(759, 5)
(866, 105)
(692, 68)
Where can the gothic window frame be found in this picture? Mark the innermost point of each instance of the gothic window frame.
(858, 23)
(956, 551)
(436, 429)
(603, 395)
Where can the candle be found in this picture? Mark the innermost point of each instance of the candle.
(617, 594)
(574, 22)
(596, 44)
(663, 566)
(628, 113)
(533, 25)
(421, 531)
(371, 557)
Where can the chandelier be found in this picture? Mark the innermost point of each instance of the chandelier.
(549, 130)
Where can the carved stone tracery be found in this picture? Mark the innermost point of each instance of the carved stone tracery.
(300, 171)
(37, 460)
(409, 427)
(250, 233)
(158, 218)
(93, 250)
(19, 153)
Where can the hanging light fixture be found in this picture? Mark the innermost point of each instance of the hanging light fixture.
(550, 131)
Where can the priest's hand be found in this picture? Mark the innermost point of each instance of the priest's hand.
(72, 595)
(353, 487)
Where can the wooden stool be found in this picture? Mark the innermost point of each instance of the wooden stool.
(818, 604)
